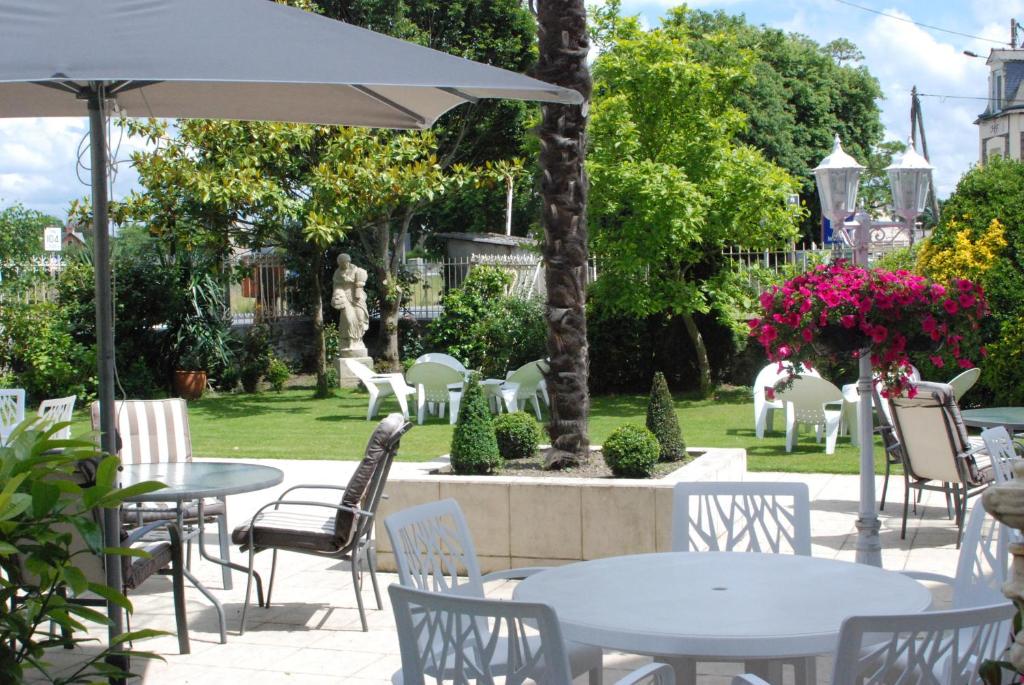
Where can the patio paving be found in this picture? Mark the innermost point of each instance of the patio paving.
(311, 634)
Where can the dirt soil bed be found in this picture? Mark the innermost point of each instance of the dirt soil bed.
(594, 468)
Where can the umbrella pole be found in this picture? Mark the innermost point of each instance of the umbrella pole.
(105, 343)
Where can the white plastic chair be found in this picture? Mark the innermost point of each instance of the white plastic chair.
(523, 385)
(12, 410)
(764, 409)
(812, 401)
(435, 383)
(965, 381)
(381, 385)
(442, 358)
(851, 406)
(56, 411)
(460, 640)
(1003, 452)
(432, 544)
(930, 648)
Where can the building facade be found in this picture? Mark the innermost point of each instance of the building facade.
(1001, 125)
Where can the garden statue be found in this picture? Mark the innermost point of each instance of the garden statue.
(349, 298)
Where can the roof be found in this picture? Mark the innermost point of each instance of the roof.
(489, 238)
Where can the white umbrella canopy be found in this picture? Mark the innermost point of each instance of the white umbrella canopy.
(218, 59)
(234, 59)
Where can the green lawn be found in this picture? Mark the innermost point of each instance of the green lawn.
(293, 425)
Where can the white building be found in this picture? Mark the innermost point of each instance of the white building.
(1001, 125)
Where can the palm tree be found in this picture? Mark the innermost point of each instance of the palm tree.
(564, 44)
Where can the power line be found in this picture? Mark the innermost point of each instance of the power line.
(917, 23)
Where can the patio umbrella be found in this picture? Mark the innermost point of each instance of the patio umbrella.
(224, 59)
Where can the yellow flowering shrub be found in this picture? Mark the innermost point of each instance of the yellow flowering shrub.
(967, 256)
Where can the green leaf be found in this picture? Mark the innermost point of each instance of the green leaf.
(112, 596)
(44, 497)
(91, 533)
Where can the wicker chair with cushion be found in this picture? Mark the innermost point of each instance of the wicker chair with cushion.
(937, 454)
(157, 432)
(337, 531)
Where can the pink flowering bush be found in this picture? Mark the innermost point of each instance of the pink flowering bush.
(841, 309)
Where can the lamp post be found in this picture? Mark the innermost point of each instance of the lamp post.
(838, 178)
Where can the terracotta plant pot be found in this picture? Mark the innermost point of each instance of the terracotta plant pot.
(189, 385)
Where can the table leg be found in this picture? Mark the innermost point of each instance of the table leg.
(221, 621)
(768, 669)
(225, 562)
(685, 669)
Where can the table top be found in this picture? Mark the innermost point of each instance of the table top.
(718, 604)
(987, 417)
(194, 479)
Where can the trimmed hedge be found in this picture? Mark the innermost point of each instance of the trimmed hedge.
(631, 452)
(518, 435)
(663, 421)
(474, 448)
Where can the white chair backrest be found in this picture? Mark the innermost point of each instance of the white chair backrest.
(965, 381)
(435, 379)
(932, 647)
(1001, 451)
(742, 517)
(442, 358)
(56, 411)
(361, 371)
(528, 377)
(150, 431)
(932, 433)
(984, 561)
(771, 373)
(432, 547)
(464, 640)
(809, 394)
(12, 406)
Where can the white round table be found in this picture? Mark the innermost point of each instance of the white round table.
(718, 605)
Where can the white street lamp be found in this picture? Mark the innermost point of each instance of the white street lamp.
(837, 178)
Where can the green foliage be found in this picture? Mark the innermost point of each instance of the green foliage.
(41, 500)
(38, 348)
(631, 452)
(21, 237)
(900, 259)
(1003, 370)
(277, 374)
(254, 356)
(463, 308)
(663, 422)
(518, 435)
(512, 333)
(474, 447)
(200, 330)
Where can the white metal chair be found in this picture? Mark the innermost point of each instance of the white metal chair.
(12, 410)
(963, 382)
(381, 385)
(523, 385)
(816, 402)
(1003, 451)
(442, 358)
(432, 544)
(936, 448)
(56, 411)
(744, 517)
(930, 648)
(764, 409)
(435, 383)
(461, 640)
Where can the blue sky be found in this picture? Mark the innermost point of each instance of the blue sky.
(38, 157)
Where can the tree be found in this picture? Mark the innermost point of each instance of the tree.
(21, 235)
(801, 95)
(672, 184)
(564, 46)
(874, 194)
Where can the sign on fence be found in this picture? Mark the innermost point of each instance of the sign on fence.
(51, 238)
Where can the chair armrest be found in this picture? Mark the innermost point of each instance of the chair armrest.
(308, 503)
(660, 674)
(311, 487)
(513, 573)
(749, 679)
(933, 577)
(137, 534)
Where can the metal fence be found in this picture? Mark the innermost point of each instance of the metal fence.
(31, 282)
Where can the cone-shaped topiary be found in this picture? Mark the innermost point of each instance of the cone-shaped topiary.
(474, 447)
(631, 452)
(663, 422)
(518, 435)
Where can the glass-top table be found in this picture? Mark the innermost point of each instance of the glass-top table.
(1010, 417)
(189, 481)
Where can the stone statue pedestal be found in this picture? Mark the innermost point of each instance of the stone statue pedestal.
(347, 379)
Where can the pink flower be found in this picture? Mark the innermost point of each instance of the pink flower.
(965, 363)
(951, 307)
(983, 351)
(937, 361)
(768, 333)
(966, 300)
(928, 323)
(807, 334)
(848, 321)
(879, 334)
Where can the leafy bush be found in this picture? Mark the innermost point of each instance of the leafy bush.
(277, 373)
(513, 333)
(474, 448)
(663, 421)
(518, 435)
(254, 356)
(464, 308)
(41, 501)
(631, 452)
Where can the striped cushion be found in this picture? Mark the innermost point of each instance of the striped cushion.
(150, 431)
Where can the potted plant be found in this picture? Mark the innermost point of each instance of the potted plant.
(200, 335)
(836, 309)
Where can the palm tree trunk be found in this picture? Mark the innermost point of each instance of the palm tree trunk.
(564, 44)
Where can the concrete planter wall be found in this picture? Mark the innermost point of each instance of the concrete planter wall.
(518, 521)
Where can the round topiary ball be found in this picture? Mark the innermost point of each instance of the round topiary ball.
(631, 452)
(518, 435)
